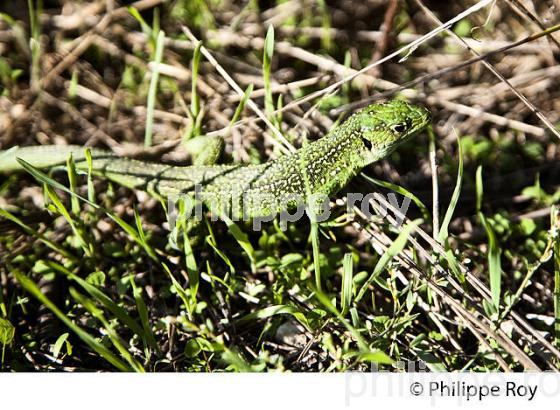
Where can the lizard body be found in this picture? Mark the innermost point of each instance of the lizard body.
(320, 167)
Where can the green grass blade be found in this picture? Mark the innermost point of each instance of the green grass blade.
(270, 311)
(454, 265)
(479, 189)
(57, 347)
(494, 251)
(8, 153)
(112, 335)
(144, 316)
(316, 252)
(326, 38)
(73, 179)
(355, 333)
(120, 313)
(182, 293)
(88, 339)
(555, 231)
(211, 240)
(241, 238)
(191, 265)
(88, 249)
(400, 190)
(153, 90)
(444, 228)
(108, 303)
(347, 283)
(96, 293)
(396, 247)
(146, 29)
(240, 106)
(90, 186)
(267, 60)
(195, 100)
(35, 12)
(43, 178)
(135, 235)
(35, 234)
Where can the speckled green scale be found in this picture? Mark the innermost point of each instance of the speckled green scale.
(321, 167)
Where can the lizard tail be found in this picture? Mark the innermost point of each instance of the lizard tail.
(128, 172)
(44, 156)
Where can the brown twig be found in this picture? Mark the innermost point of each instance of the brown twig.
(386, 37)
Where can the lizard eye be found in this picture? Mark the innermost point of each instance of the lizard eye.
(400, 127)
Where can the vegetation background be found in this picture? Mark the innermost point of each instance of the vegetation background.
(471, 283)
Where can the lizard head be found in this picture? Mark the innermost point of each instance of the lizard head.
(383, 127)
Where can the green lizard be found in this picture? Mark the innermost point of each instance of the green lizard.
(321, 167)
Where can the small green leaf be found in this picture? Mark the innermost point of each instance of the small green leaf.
(96, 278)
(58, 344)
(528, 226)
(192, 348)
(7, 331)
